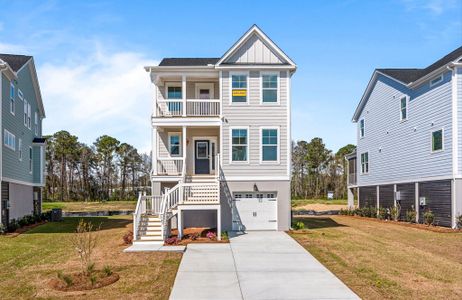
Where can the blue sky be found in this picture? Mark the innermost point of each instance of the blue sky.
(90, 54)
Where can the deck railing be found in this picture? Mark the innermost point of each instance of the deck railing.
(194, 108)
(170, 166)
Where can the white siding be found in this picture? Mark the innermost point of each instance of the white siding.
(255, 51)
(459, 111)
(405, 146)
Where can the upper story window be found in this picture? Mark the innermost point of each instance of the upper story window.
(9, 140)
(239, 88)
(239, 145)
(365, 163)
(20, 149)
(436, 80)
(269, 88)
(29, 116)
(174, 144)
(20, 94)
(30, 160)
(269, 144)
(361, 128)
(437, 140)
(36, 124)
(174, 92)
(25, 112)
(12, 98)
(403, 103)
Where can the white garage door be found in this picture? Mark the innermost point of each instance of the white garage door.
(255, 211)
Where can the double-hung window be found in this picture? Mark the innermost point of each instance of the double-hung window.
(365, 163)
(12, 99)
(9, 140)
(239, 88)
(269, 88)
(269, 145)
(403, 103)
(174, 92)
(30, 160)
(437, 140)
(361, 128)
(239, 145)
(174, 144)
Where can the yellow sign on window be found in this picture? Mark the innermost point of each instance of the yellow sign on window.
(239, 93)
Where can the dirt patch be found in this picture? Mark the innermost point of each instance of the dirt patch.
(197, 235)
(82, 282)
(321, 207)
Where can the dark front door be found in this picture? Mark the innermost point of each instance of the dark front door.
(202, 157)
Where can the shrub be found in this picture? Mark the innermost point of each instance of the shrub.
(410, 215)
(194, 236)
(22, 222)
(429, 217)
(172, 241)
(2, 229)
(12, 225)
(211, 235)
(107, 270)
(459, 221)
(394, 213)
(298, 225)
(84, 241)
(382, 213)
(224, 235)
(66, 278)
(128, 238)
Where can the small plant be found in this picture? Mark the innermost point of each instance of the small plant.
(84, 241)
(172, 241)
(224, 236)
(90, 268)
(459, 221)
(66, 278)
(93, 279)
(211, 235)
(2, 229)
(394, 213)
(298, 225)
(429, 217)
(128, 238)
(410, 215)
(194, 236)
(107, 270)
(382, 213)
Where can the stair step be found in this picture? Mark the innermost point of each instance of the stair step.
(152, 233)
(151, 219)
(150, 238)
(151, 223)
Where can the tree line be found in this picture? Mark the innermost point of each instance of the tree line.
(106, 170)
(317, 170)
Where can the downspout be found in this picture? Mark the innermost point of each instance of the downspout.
(455, 143)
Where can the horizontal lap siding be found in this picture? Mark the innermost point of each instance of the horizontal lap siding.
(401, 151)
(367, 196)
(438, 200)
(407, 196)
(386, 196)
(459, 110)
(255, 115)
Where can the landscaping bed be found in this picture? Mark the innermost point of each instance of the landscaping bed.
(196, 235)
(80, 282)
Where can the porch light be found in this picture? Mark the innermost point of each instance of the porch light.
(255, 187)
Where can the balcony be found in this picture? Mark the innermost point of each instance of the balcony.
(194, 108)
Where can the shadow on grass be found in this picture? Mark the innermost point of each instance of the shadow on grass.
(318, 222)
(68, 225)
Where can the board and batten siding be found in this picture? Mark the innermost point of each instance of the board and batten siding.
(255, 115)
(401, 150)
(255, 51)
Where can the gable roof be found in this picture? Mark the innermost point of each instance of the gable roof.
(16, 62)
(407, 77)
(189, 61)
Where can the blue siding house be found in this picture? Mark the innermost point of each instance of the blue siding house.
(409, 143)
(22, 155)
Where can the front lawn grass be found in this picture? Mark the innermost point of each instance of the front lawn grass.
(90, 206)
(380, 260)
(30, 260)
(303, 202)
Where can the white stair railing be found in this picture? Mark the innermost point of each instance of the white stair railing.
(145, 205)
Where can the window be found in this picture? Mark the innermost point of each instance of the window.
(36, 123)
(365, 163)
(29, 116)
(174, 92)
(361, 128)
(9, 140)
(269, 145)
(437, 140)
(239, 145)
(12, 99)
(30, 160)
(239, 88)
(25, 112)
(174, 144)
(269, 88)
(20, 149)
(20, 94)
(403, 103)
(436, 80)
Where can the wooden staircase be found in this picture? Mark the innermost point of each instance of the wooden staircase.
(150, 229)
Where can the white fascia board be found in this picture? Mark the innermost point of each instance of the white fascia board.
(9, 73)
(258, 178)
(258, 67)
(36, 85)
(163, 121)
(177, 68)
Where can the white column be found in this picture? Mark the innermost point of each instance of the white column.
(154, 150)
(395, 189)
(417, 202)
(183, 93)
(184, 147)
(351, 198)
(378, 199)
(180, 223)
(219, 224)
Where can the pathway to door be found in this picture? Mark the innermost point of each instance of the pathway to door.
(256, 265)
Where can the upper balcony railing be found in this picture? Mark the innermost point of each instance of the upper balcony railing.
(194, 108)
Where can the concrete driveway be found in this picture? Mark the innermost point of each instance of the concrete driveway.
(256, 265)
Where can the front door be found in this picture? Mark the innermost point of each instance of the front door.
(202, 157)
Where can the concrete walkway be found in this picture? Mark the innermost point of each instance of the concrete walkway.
(256, 265)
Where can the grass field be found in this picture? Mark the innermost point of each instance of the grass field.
(30, 260)
(319, 204)
(90, 206)
(381, 260)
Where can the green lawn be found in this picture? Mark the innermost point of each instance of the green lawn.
(380, 260)
(30, 260)
(90, 206)
(303, 202)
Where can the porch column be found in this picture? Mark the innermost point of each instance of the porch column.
(219, 224)
(351, 198)
(417, 202)
(180, 223)
(154, 150)
(184, 147)
(183, 93)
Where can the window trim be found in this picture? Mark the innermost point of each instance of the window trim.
(29, 116)
(5, 133)
(172, 133)
(173, 84)
(364, 128)
(25, 112)
(245, 73)
(36, 131)
(20, 149)
(12, 98)
(31, 160)
(20, 95)
(239, 162)
(278, 146)
(436, 80)
(204, 85)
(361, 163)
(442, 140)
(278, 92)
(401, 109)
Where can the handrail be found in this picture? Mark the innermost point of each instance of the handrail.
(137, 216)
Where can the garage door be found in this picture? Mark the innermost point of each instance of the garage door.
(255, 211)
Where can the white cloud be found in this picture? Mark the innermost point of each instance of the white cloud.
(11, 48)
(100, 93)
(435, 7)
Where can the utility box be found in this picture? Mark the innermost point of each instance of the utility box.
(398, 196)
(422, 201)
(330, 195)
(56, 215)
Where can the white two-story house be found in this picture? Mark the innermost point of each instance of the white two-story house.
(220, 141)
(409, 141)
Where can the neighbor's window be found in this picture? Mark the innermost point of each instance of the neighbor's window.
(20, 149)
(436, 80)
(361, 128)
(365, 162)
(30, 159)
(270, 88)
(437, 140)
(29, 116)
(269, 143)
(403, 108)
(174, 144)
(12, 102)
(239, 145)
(25, 113)
(36, 123)
(239, 88)
(9, 140)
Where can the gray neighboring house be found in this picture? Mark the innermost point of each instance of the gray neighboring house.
(409, 141)
(22, 155)
(220, 142)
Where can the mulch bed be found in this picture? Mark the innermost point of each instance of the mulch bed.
(24, 229)
(82, 282)
(196, 235)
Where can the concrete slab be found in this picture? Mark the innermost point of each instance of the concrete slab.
(154, 248)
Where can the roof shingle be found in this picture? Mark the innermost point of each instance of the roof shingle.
(15, 61)
(188, 61)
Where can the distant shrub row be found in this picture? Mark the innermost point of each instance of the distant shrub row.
(15, 224)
